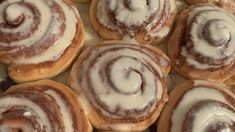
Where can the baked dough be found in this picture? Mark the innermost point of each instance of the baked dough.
(40, 39)
(121, 86)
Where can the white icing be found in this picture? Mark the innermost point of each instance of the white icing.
(135, 101)
(189, 99)
(64, 41)
(66, 114)
(158, 33)
(130, 84)
(137, 14)
(102, 15)
(210, 115)
(27, 114)
(192, 61)
(54, 52)
(119, 69)
(27, 23)
(221, 29)
(11, 13)
(226, 130)
(7, 102)
(3, 4)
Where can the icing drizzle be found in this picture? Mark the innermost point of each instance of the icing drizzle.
(38, 108)
(131, 16)
(38, 31)
(209, 115)
(202, 109)
(122, 81)
(209, 37)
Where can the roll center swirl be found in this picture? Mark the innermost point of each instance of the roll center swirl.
(136, 5)
(216, 33)
(209, 116)
(130, 77)
(209, 41)
(34, 32)
(132, 13)
(13, 17)
(124, 80)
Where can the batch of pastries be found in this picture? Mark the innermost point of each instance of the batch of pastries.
(58, 80)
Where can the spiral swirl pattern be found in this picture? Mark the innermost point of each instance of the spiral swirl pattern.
(41, 108)
(209, 37)
(131, 16)
(217, 115)
(122, 81)
(32, 110)
(202, 107)
(38, 31)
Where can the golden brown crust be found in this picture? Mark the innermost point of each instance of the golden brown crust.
(104, 123)
(22, 73)
(81, 1)
(31, 72)
(42, 85)
(100, 29)
(164, 124)
(227, 4)
(230, 81)
(178, 62)
(140, 36)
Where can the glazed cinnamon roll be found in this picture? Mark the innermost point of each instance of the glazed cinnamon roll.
(141, 20)
(227, 4)
(202, 45)
(40, 38)
(199, 106)
(121, 86)
(42, 106)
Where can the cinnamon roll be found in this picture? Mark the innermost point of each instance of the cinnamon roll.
(227, 4)
(122, 87)
(141, 20)
(42, 106)
(202, 45)
(40, 38)
(198, 106)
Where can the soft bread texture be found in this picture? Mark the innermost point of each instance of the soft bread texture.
(179, 63)
(21, 72)
(176, 95)
(107, 122)
(140, 34)
(49, 89)
(227, 4)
